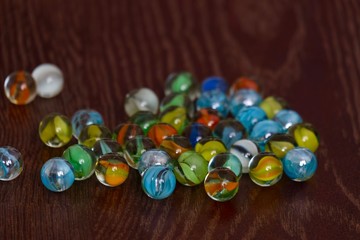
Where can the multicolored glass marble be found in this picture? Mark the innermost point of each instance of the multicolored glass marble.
(145, 119)
(158, 182)
(55, 130)
(49, 80)
(208, 117)
(263, 130)
(92, 133)
(142, 99)
(57, 174)
(195, 132)
(244, 149)
(176, 117)
(154, 157)
(111, 170)
(190, 168)
(272, 105)
(214, 99)
(299, 164)
(226, 160)
(182, 82)
(305, 135)
(265, 169)
(214, 83)
(82, 159)
(249, 116)
(177, 100)
(221, 184)
(128, 131)
(280, 144)
(175, 145)
(160, 131)
(229, 131)
(135, 147)
(244, 98)
(83, 118)
(244, 83)
(287, 118)
(209, 147)
(107, 145)
(20, 88)
(11, 163)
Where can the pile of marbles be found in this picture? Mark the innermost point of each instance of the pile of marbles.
(209, 133)
(46, 81)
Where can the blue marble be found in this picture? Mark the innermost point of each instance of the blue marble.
(57, 174)
(244, 98)
(214, 83)
(226, 160)
(11, 163)
(83, 118)
(249, 116)
(263, 130)
(158, 182)
(299, 164)
(229, 131)
(195, 132)
(287, 118)
(154, 157)
(214, 99)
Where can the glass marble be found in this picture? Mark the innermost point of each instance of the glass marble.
(214, 99)
(176, 117)
(49, 80)
(249, 116)
(11, 163)
(190, 168)
(20, 88)
(111, 170)
(244, 83)
(226, 160)
(265, 169)
(208, 117)
(229, 131)
(214, 83)
(195, 132)
(263, 130)
(158, 182)
(177, 100)
(175, 146)
(305, 135)
(83, 118)
(300, 164)
(107, 145)
(182, 82)
(160, 131)
(154, 157)
(57, 174)
(272, 105)
(244, 149)
(221, 184)
(55, 130)
(287, 118)
(142, 99)
(135, 147)
(92, 133)
(280, 144)
(145, 119)
(128, 131)
(82, 159)
(244, 98)
(209, 147)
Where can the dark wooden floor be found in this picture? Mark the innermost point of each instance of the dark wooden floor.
(307, 52)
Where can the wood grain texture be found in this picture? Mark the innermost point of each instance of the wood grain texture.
(307, 52)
